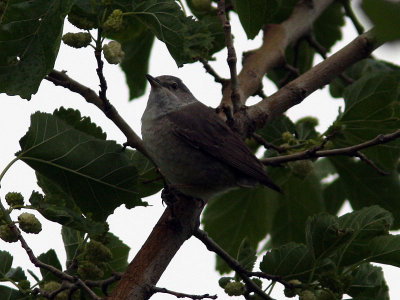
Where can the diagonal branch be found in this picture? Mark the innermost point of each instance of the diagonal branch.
(62, 79)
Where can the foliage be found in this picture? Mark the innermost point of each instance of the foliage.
(297, 235)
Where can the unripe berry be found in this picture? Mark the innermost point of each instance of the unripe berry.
(307, 295)
(114, 22)
(97, 252)
(301, 168)
(29, 223)
(77, 40)
(113, 52)
(88, 270)
(24, 284)
(234, 288)
(14, 199)
(287, 136)
(7, 234)
(51, 286)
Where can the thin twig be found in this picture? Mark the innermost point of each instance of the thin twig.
(350, 13)
(349, 151)
(317, 46)
(232, 263)
(99, 70)
(371, 163)
(212, 72)
(155, 289)
(232, 59)
(259, 139)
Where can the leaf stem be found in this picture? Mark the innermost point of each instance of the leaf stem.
(7, 167)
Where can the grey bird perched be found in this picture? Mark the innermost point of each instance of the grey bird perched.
(196, 151)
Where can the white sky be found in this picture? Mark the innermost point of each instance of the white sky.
(192, 269)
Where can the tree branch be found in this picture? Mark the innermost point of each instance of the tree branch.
(349, 151)
(160, 247)
(237, 267)
(62, 79)
(232, 59)
(258, 115)
(182, 295)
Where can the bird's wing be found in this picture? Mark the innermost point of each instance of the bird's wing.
(199, 126)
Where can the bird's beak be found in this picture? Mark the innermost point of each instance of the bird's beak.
(154, 82)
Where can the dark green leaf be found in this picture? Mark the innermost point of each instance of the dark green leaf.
(372, 107)
(16, 274)
(383, 249)
(239, 214)
(149, 181)
(136, 62)
(302, 198)
(7, 293)
(59, 207)
(364, 186)
(185, 38)
(50, 258)
(30, 35)
(328, 27)
(334, 196)
(246, 255)
(73, 118)
(324, 235)
(72, 239)
(284, 11)
(364, 67)
(6, 260)
(254, 14)
(120, 253)
(96, 174)
(291, 261)
(386, 17)
(323, 168)
(272, 131)
(368, 283)
(305, 128)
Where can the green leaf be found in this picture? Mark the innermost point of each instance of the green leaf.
(334, 196)
(364, 186)
(136, 62)
(254, 14)
(272, 131)
(386, 17)
(95, 173)
(147, 185)
(59, 207)
(11, 294)
(246, 255)
(372, 107)
(239, 214)
(120, 253)
(82, 123)
(72, 239)
(328, 27)
(324, 235)
(16, 274)
(323, 168)
(284, 11)
(368, 283)
(356, 71)
(50, 258)
(6, 260)
(185, 38)
(291, 261)
(305, 128)
(302, 198)
(383, 249)
(30, 35)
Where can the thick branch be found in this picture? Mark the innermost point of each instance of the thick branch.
(153, 258)
(276, 39)
(297, 90)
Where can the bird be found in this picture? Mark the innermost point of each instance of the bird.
(197, 152)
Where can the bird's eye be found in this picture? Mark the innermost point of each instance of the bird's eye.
(174, 85)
